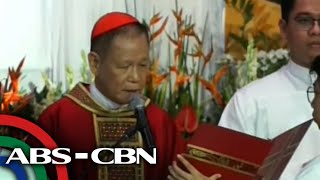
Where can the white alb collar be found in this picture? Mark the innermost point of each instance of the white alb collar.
(101, 99)
(300, 72)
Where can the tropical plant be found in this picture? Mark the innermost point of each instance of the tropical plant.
(14, 102)
(177, 88)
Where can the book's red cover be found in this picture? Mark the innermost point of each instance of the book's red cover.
(238, 156)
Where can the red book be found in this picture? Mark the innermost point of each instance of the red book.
(239, 156)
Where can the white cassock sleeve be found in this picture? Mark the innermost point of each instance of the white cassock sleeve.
(242, 114)
(311, 171)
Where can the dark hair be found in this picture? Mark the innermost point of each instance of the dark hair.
(315, 66)
(102, 43)
(286, 8)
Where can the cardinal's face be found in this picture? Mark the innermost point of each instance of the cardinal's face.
(124, 70)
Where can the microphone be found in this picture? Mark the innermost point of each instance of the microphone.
(137, 104)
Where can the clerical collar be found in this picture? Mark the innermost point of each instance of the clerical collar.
(300, 72)
(102, 100)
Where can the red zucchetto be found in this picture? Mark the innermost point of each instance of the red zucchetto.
(110, 22)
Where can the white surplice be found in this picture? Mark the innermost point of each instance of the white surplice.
(272, 105)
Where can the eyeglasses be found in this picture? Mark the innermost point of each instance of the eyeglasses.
(310, 93)
(306, 22)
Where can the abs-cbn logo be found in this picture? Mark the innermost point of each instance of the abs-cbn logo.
(118, 156)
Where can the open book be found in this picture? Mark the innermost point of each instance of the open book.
(239, 156)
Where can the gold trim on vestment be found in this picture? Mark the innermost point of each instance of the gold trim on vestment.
(82, 97)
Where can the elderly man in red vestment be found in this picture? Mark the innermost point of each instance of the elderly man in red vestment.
(97, 115)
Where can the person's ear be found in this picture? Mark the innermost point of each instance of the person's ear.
(94, 62)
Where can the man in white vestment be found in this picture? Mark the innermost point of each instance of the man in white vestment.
(276, 103)
(270, 106)
(311, 171)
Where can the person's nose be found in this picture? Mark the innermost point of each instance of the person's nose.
(315, 30)
(134, 75)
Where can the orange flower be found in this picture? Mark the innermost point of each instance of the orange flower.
(14, 76)
(181, 80)
(159, 31)
(214, 92)
(154, 79)
(198, 39)
(219, 75)
(11, 96)
(174, 69)
(178, 52)
(18, 106)
(179, 46)
(22, 103)
(186, 120)
(189, 31)
(207, 58)
(178, 16)
(175, 42)
(213, 86)
(6, 102)
(181, 33)
(158, 79)
(198, 52)
(155, 19)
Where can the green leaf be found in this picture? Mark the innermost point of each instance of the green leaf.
(163, 93)
(145, 23)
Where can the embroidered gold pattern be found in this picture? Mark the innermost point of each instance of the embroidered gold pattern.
(112, 131)
(221, 160)
(110, 126)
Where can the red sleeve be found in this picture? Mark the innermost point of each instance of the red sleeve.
(61, 122)
(167, 140)
(48, 120)
(45, 122)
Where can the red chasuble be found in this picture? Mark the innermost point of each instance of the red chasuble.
(79, 123)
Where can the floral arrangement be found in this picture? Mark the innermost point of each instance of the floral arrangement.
(256, 65)
(13, 101)
(177, 88)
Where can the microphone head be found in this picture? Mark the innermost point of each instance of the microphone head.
(136, 101)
